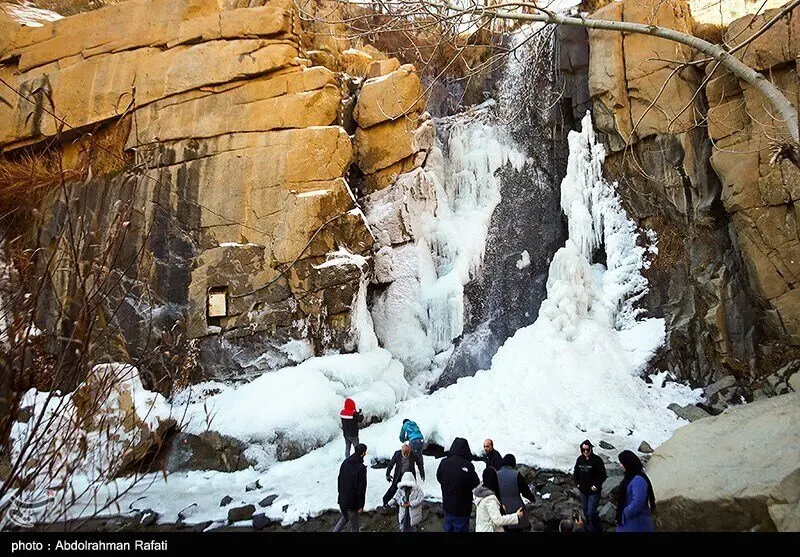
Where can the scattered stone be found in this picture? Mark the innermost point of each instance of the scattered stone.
(725, 383)
(689, 412)
(794, 382)
(253, 486)
(285, 508)
(259, 521)
(606, 446)
(187, 512)
(226, 501)
(608, 513)
(241, 513)
(644, 447)
(267, 501)
(149, 517)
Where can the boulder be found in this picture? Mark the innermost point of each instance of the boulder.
(382, 145)
(732, 472)
(644, 447)
(241, 513)
(383, 67)
(267, 501)
(772, 47)
(389, 97)
(689, 412)
(227, 500)
(208, 451)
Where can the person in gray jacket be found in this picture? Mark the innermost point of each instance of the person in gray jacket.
(513, 488)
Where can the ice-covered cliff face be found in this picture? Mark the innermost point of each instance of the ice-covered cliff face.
(468, 239)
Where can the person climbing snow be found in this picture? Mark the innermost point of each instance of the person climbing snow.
(410, 432)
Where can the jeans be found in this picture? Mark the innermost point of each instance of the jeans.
(590, 503)
(416, 446)
(348, 517)
(456, 523)
(348, 441)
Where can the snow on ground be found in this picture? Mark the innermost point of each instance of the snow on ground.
(573, 374)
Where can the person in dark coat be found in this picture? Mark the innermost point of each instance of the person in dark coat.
(457, 476)
(351, 417)
(589, 474)
(490, 456)
(404, 460)
(352, 488)
(513, 488)
(636, 497)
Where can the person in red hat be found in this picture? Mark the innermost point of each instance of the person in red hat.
(351, 417)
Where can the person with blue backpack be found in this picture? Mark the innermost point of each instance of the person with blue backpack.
(410, 432)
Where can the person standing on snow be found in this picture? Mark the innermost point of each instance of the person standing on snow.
(352, 488)
(404, 460)
(589, 474)
(457, 476)
(351, 417)
(408, 499)
(513, 488)
(410, 432)
(490, 456)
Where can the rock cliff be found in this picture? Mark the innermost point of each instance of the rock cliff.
(691, 147)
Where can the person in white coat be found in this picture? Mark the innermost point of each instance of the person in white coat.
(488, 513)
(408, 499)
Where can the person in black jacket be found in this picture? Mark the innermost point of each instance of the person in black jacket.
(404, 460)
(589, 474)
(351, 417)
(490, 456)
(513, 488)
(457, 476)
(352, 488)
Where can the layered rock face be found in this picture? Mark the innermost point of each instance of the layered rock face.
(697, 475)
(691, 148)
(235, 167)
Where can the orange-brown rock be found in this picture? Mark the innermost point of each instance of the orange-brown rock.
(296, 98)
(389, 97)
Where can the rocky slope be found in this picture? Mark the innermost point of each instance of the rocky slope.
(228, 149)
(691, 147)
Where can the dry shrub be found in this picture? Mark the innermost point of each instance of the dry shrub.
(28, 174)
(709, 32)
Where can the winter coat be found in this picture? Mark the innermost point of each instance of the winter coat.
(636, 513)
(410, 431)
(415, 499)
(588, 473)
(397, 464)
(457, 476)
(488, 517)
(350, 418)
(492, 459)
(512, 488)
(352, 483)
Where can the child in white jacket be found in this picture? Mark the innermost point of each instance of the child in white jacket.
(488, 514)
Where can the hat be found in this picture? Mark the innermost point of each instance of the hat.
(406, 443)
(407, 480)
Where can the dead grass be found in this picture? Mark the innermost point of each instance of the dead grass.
(28, 174)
